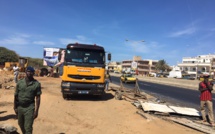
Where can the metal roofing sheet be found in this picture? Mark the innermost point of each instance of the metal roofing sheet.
(185, 111)
(148, 106)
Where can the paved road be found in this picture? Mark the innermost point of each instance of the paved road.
(176, 95)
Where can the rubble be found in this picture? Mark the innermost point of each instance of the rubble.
(151, 107)
(7, 129)
(6, 79)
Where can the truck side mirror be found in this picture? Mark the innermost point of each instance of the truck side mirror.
(109, 56)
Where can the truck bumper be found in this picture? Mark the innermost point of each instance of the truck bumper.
(82, 88)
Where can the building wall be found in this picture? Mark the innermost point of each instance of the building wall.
(114, 66)
(144, 67)
(137, 58)
(198, 64)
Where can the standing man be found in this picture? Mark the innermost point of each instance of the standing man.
(27, 91)
(15, 72)
(107, 80)
(61, 61)
(206, 87)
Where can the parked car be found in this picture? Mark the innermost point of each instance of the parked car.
(133, 72)
(188, 77)
(152, 74)
(201, 77)
(128, 78)
(162, 75)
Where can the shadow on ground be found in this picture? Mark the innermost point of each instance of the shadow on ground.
(1, 112)
(105, 97)
(7, 117)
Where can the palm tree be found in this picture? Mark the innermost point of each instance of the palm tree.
(161, 66)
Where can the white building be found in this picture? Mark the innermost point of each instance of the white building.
(197, 65)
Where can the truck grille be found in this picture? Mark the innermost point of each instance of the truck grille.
(84, 77)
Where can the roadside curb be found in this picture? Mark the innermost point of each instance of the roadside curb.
(190, 84)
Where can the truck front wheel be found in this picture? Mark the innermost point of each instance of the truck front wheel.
(65, 96)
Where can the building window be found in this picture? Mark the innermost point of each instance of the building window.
(194, 69)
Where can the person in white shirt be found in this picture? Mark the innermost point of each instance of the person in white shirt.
(15, 72)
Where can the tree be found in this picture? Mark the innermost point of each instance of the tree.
(7, 55)
(35, 62)
(161, 65)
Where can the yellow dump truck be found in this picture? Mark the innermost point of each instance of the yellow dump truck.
(83, 70)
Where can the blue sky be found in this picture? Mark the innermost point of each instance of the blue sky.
(171, 29)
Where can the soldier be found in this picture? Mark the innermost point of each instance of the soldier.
(27, 89)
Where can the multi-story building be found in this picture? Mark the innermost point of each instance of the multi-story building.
(144, 67)
(197, 65)
(114, 66)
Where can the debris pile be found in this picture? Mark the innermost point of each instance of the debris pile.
(7, 129)
(151, 107)
(6, 77)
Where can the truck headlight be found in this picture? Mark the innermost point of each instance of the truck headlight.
(65, 84)
(100, 85)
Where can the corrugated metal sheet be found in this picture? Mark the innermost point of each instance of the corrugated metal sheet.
(148, 106)
(185, 111)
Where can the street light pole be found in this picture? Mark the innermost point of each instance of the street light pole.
(135, 41)
(134, 61)
(197, 71)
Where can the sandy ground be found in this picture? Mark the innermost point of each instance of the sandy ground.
(85, 115)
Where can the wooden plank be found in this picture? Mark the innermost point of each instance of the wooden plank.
(145, 115)
(193, 125)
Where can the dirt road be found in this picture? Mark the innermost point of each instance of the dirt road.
(85, 115)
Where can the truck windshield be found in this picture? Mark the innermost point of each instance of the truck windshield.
(85, 56)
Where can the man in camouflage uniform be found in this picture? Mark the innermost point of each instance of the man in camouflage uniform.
(27, 91)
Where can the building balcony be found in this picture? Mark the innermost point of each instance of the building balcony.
(143, 65)
(193, 64)
(126, 64)
(145, 70)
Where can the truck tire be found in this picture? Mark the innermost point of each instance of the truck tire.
(99, 96)
(65, 96)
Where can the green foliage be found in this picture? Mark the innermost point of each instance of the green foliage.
(35, 62)
(162, 66)
(7, 55)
